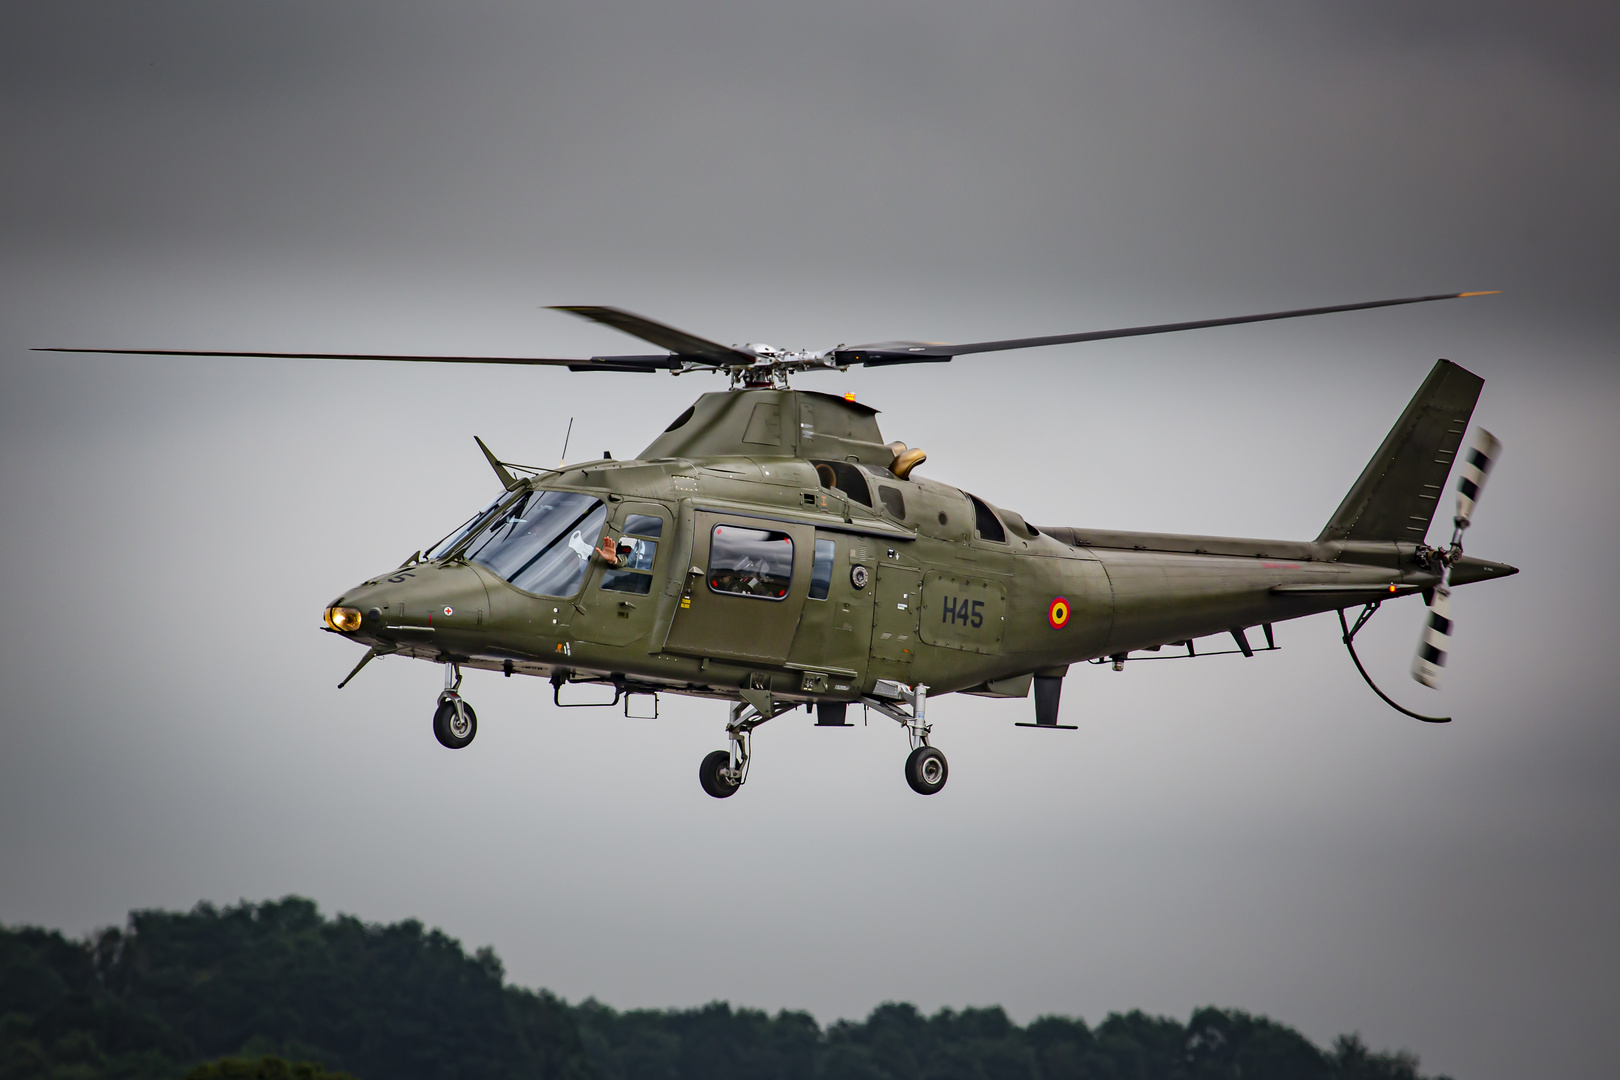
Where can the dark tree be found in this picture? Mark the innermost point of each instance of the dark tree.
(244, 992)
(265, 1068)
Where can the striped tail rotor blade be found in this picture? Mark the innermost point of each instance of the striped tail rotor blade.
(1476, 467)
(1436, 640)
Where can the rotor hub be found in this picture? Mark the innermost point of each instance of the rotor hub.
(772, 366)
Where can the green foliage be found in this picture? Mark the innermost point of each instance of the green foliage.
(241, 993)
(258, 984)
(380, 1001)
(266, 1068)
(57, 1022)
(897, 1042)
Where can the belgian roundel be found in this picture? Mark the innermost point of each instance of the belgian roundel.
(1058, 613)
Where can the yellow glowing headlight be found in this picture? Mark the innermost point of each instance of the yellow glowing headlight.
(342, 619)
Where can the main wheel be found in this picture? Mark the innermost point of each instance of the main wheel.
(709, 775)
(926, 770)
(453, 730)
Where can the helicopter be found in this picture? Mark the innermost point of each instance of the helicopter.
(770, 550)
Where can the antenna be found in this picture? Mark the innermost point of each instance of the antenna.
(564, 459)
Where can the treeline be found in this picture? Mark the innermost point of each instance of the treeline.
(171, 990)
(275, 991)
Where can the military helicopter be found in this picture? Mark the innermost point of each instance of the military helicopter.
(771, 550)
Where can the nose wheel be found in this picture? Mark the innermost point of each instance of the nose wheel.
(717, 776)
(454, 722)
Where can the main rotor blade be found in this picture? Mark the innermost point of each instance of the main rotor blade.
(665, 337)
(913, 352)
(594, 363)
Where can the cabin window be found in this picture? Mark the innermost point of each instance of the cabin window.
(541, 542)
(821, 570)
(893, 501)
(750, 562)
(986, 522)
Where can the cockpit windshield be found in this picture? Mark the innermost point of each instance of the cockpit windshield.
(542, 541)
(442, 548)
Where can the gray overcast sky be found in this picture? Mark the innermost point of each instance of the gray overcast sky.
(399, 177)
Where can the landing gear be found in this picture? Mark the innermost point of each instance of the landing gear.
(724, 771)
(454, 722)
(926, 770)
(715, 774)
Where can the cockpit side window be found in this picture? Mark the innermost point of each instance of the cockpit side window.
(542, 541)
(637, 551)
(644, 525)
(986, 522)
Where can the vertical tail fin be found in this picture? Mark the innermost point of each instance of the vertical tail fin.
(1397, 493)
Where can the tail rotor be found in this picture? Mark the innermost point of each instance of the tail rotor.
(1436, 640)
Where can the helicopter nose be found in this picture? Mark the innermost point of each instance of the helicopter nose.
(416, 604)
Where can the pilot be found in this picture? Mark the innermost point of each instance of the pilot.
(614, 554)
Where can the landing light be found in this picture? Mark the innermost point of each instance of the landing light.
(342, 619)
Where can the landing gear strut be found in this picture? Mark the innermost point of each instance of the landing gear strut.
(454, 722)
(926, 769)
(724, 771)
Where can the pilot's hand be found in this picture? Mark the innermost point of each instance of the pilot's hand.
(608, 551)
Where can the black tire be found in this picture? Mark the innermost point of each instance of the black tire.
(926, 770)
(447, 726)
(709, 775)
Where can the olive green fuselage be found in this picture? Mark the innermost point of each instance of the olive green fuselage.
(918, 588)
